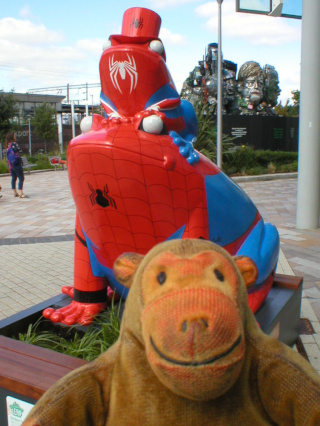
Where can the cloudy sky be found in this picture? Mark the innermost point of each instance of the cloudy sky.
(50, 43)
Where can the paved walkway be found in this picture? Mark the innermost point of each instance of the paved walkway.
(36, 243)
(36, 240)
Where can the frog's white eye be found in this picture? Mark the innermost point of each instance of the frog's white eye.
(156, 46)
(86, 124)
(152, 124)
(106, 45)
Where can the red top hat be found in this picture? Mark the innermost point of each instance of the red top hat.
(139, 25)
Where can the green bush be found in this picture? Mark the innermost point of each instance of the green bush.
(246, 161)
(41, 160)
(4, 168)
(206, 142)
(239, 158)
(276, 157)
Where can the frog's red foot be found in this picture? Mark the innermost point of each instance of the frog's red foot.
(68, 290)
(75, 313)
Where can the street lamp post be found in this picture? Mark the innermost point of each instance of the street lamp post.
(30, 149)
(219, 100)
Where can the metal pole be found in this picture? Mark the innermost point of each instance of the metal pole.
(30, 149)
(72, 122)
(219, 94)
(308, 196)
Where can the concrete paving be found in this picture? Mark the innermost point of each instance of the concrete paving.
(36, 243)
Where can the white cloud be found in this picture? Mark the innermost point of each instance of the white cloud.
(169, 38)
(91, 46)
(27, 33)
(289, 81)
(253, 29)
(162, 4)
(33, 56)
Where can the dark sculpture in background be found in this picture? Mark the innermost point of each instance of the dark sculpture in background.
(254, 91)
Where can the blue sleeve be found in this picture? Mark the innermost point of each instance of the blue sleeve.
(12, 157)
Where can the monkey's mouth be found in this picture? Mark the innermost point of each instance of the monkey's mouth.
(196, 363)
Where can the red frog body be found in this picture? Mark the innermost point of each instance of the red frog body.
(136, 184)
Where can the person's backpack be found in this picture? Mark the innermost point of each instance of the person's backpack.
(14, 159)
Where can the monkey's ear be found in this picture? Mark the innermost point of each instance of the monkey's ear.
(247, 268)
(125, 267)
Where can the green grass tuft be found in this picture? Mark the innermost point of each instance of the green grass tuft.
(102, 334)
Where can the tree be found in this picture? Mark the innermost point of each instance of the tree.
(206, 141)
(7, 112)
(296, 103)
(290, 110)
(45, 124)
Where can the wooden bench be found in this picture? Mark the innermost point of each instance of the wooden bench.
(26, 165)
(57, 162)
(29, 370)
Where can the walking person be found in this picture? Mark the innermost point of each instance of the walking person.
(15, 164)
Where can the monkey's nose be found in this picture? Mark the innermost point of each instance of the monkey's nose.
(200, 323)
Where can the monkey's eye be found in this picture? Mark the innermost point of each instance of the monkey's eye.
(161, 277)
(219, 275)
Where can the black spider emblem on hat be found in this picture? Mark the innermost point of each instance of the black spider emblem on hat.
(137, 23)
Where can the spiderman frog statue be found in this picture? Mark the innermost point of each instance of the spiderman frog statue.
(137, 181)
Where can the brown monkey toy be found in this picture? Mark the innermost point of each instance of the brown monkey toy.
(189, 353)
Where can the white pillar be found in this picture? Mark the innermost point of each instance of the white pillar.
(308, 196)
(60, 133)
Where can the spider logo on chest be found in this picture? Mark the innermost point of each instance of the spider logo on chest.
(123, 68)
(101, 197)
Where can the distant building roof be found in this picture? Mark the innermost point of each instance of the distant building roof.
(28, 97)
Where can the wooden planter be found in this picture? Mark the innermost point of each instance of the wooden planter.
(27, 371)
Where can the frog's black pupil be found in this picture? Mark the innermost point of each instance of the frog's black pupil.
(161, 277)
(219, 275)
